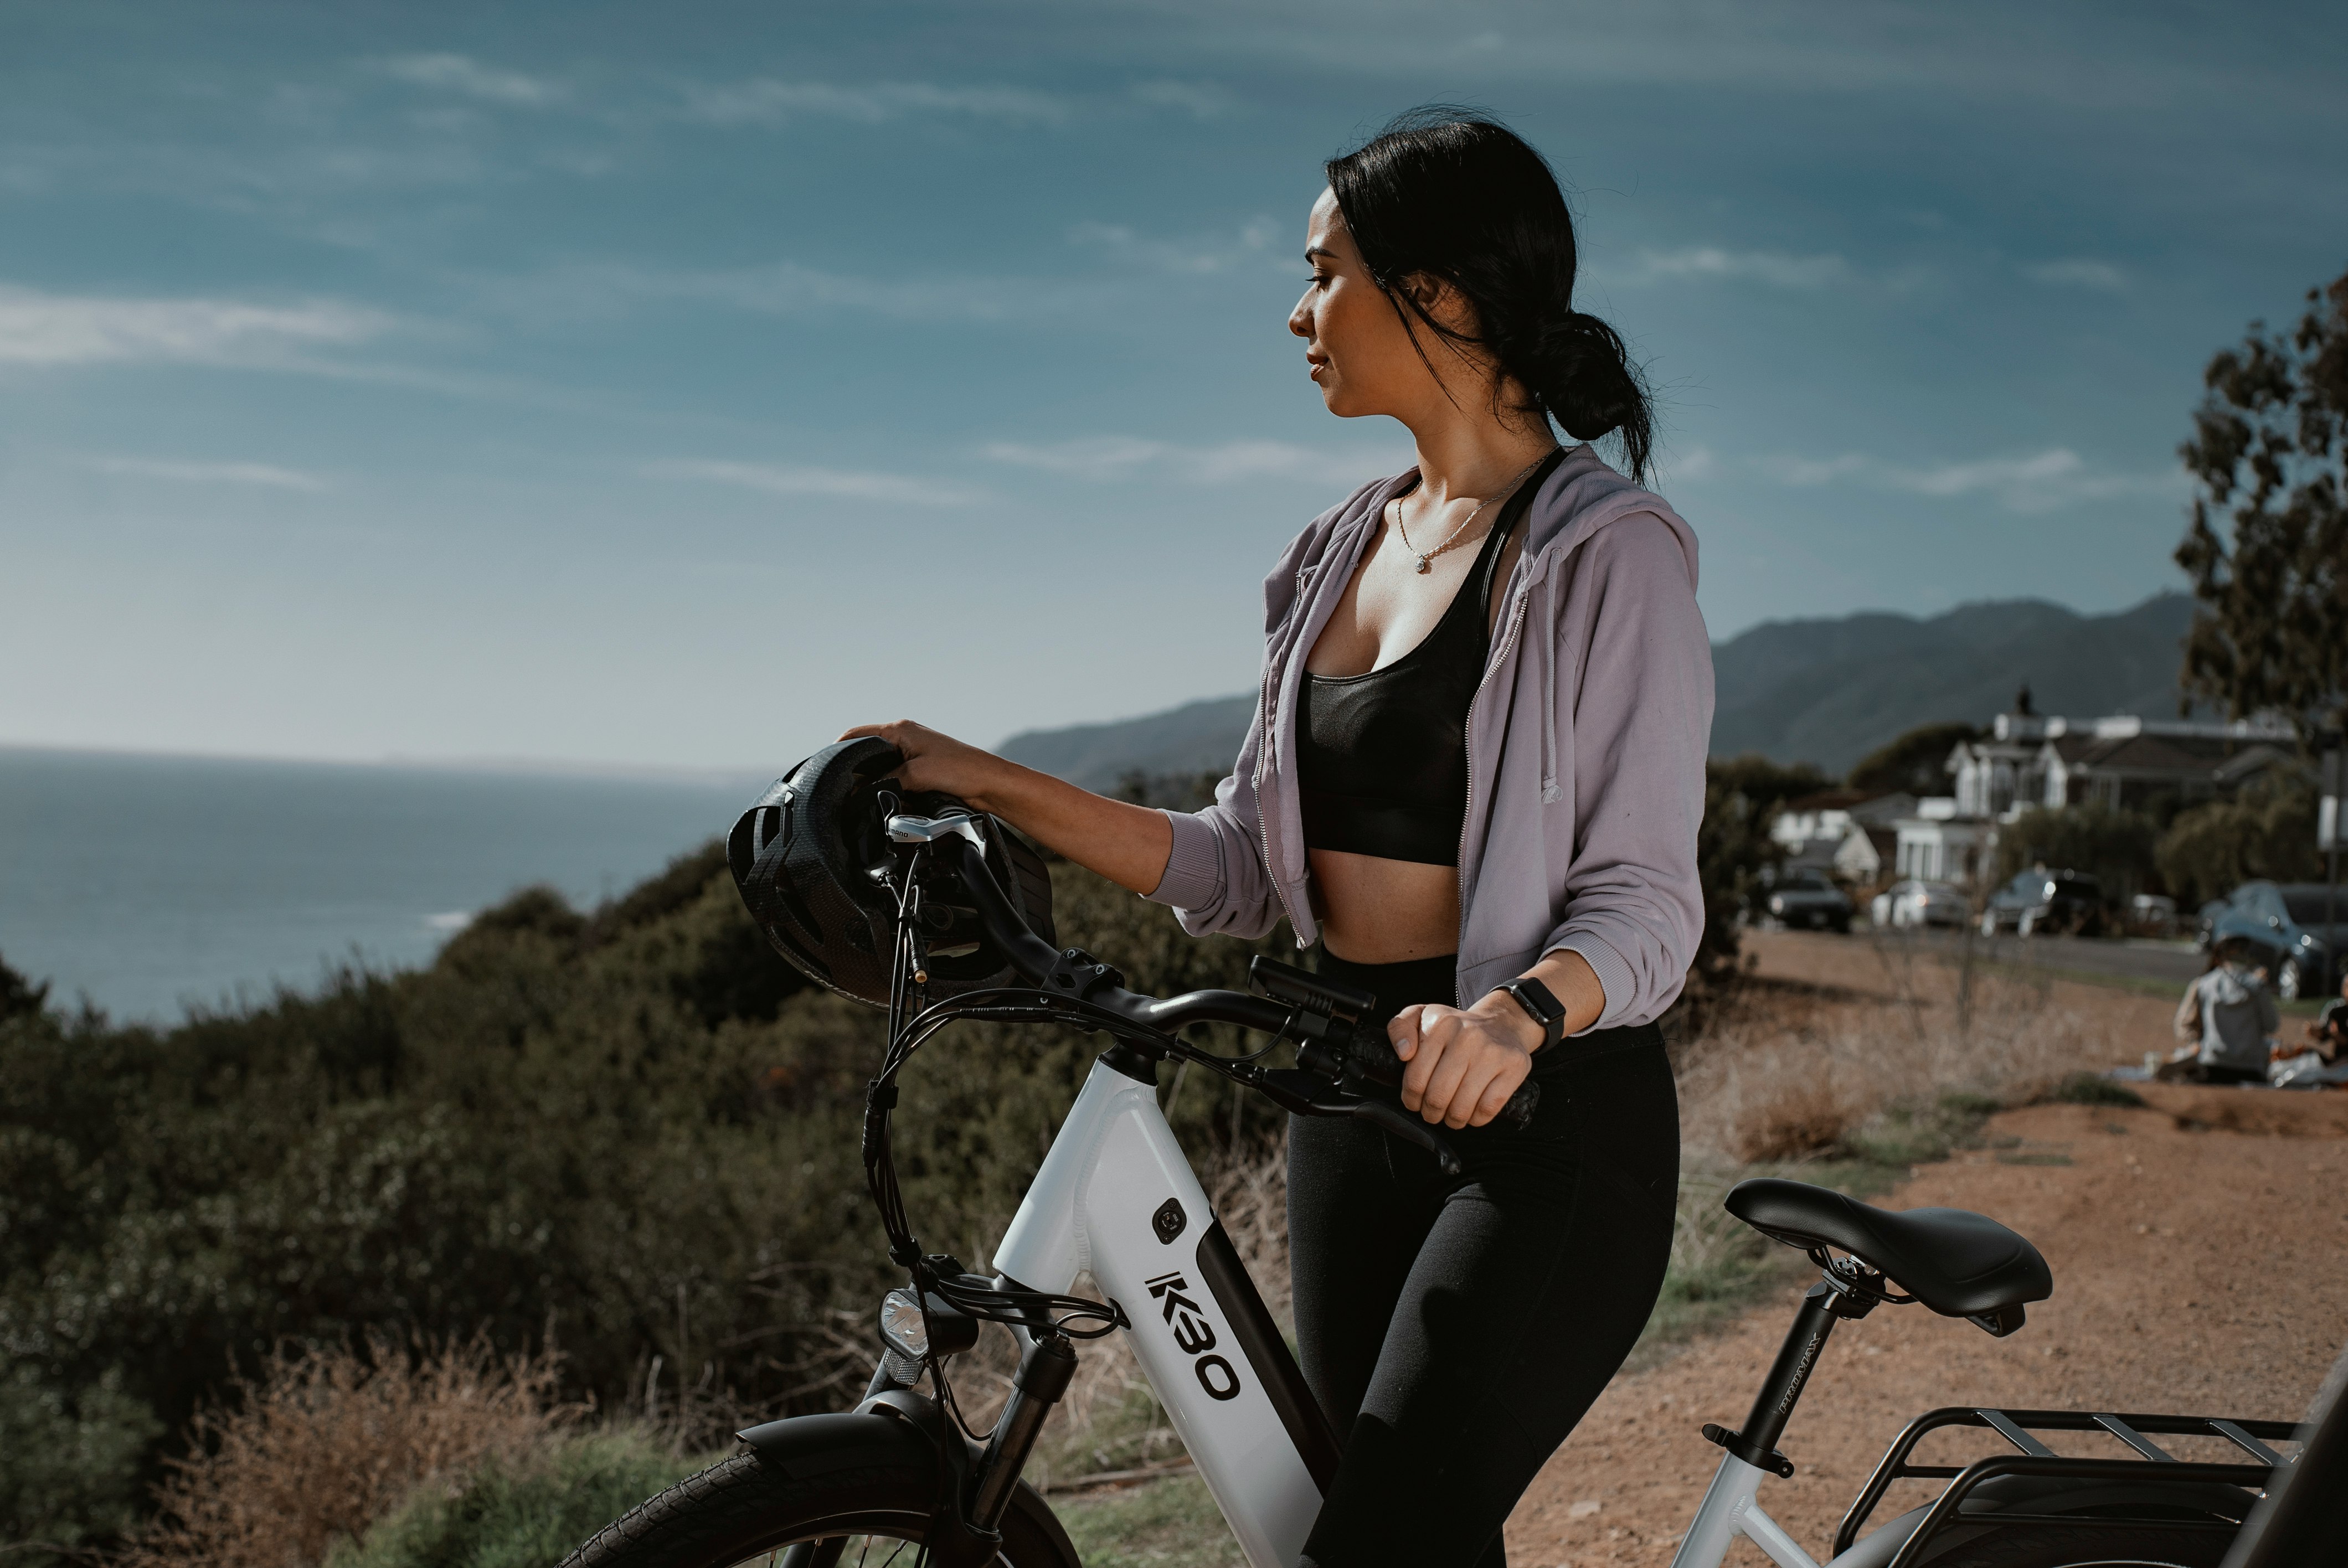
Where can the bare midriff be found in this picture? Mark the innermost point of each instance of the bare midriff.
(1374, 910)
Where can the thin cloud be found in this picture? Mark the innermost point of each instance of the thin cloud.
(468, 77)
(1691, 465)
(783, 289)
(771, 480)
(1106, 459)
(39, 328)
(1812, 470)
(1709, 262)
(766, 101)
(2036, 482)
(2078, 273)
(1251, 247)
(264, 476)
(1199, 101)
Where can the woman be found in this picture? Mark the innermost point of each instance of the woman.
(1474, 778)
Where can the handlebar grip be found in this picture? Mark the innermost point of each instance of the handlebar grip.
(1370, 1054)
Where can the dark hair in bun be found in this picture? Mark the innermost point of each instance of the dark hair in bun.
(1462, 199)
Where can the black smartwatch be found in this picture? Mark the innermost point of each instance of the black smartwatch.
(1541, 1004)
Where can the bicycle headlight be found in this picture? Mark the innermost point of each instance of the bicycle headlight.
(902, 1328)
(905, 1329)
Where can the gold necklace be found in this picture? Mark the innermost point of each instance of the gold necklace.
(1425, 557)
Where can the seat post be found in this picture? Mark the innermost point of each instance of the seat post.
(1756, 1445)
(1783, 1386)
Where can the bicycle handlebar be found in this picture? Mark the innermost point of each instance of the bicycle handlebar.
(1348, 1049)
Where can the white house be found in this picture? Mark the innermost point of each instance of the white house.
(1942, 843)
(2029, 760)
(1845, 830)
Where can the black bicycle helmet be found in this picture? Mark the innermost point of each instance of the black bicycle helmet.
(811, 861)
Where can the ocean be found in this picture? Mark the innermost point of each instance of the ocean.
(151, 884)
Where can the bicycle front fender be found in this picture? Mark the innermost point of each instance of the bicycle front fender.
(914, 1436)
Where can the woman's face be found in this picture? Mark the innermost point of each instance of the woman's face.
(1360, 356)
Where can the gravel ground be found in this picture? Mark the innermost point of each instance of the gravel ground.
(2197, 1270)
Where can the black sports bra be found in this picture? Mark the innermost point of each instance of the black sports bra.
(1382, 757)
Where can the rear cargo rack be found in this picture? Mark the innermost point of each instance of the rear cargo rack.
(2034, 1458)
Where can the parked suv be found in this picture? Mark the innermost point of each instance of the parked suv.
(2285, 925)
(2041, 901)
(1806, 898)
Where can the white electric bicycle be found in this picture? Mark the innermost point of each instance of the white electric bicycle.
(1116, 1197)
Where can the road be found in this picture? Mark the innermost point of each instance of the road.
(2169, 963)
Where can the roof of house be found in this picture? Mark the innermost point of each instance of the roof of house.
(1827, 800)
(2179, 756)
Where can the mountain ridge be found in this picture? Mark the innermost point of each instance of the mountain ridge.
(1823, 689)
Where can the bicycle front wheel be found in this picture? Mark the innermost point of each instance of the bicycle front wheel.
(747, 1511)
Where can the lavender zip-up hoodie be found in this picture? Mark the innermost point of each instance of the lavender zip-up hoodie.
(1585, 749)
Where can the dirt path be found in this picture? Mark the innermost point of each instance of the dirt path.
(2202, 1271)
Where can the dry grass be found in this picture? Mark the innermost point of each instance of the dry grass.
(1782, 1074)
(323, 1441)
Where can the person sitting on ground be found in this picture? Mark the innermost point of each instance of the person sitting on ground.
(2226, 1024)
(2321, 1061)
(2329, 1032)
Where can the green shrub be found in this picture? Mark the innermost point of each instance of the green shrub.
(1919, 1131)
(69, 1462)
(2092, 1089)
(632, 1130)
(525, 1516)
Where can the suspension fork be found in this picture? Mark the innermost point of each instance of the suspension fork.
(1044, 1370)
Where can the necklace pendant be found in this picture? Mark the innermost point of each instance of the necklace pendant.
(1422, 566)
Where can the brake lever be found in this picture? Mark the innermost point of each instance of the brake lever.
(1380, 1114)
(1309, 1094)
(1368, 1056)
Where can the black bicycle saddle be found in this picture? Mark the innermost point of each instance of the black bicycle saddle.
(1959, 1263)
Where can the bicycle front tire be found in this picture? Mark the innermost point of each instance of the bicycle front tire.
(746, 1509)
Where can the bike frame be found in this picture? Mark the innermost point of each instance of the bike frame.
(1116, 1197)
(1729, 1510)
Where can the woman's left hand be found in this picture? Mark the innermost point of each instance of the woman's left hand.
(1464, 1062)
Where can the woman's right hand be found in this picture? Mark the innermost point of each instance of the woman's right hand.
(1127, 843)
(936, 762)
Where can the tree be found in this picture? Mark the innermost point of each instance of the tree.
(2267, 831)
(19, 996)
(1917, 762)
(2268, 548)
(1740, 795)
(2113, 846)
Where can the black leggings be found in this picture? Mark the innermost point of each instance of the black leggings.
(1456, 1328)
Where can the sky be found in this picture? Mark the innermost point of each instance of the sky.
(673, 386)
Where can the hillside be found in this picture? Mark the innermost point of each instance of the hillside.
(1830, 691)
(1822, 690)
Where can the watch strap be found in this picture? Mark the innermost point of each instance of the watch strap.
(1541, 1004)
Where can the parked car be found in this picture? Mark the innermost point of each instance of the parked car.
(1807, 899)
(2285, 925)
(1917, 903)
(2038, 901)
(2153, 915)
